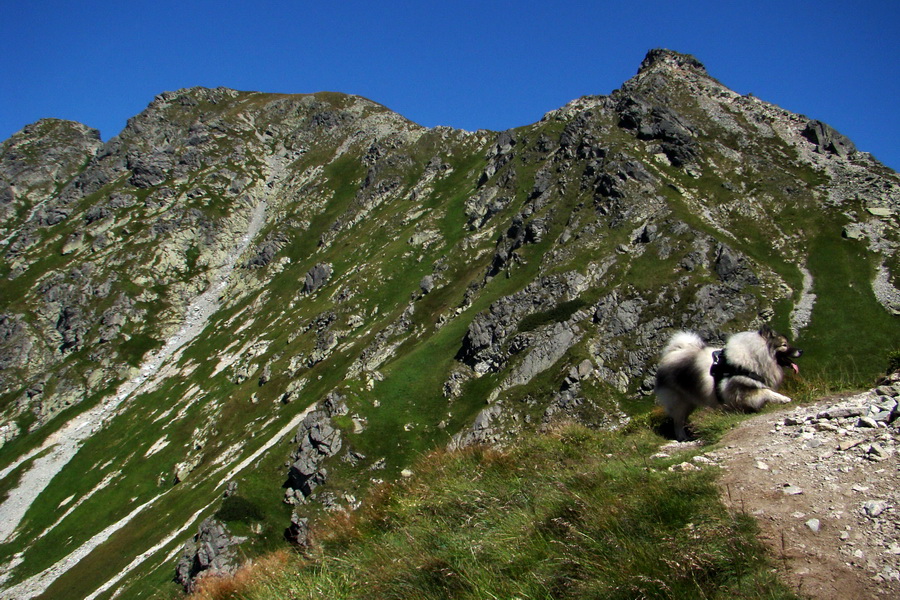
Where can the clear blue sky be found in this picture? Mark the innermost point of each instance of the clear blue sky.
(468, 64)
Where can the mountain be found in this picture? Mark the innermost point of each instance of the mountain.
(286, 298)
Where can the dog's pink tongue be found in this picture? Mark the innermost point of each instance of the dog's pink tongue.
(795, 368)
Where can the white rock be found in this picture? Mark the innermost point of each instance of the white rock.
(685, 466)
(874, 508)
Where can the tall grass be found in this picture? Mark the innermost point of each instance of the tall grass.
(570, 514)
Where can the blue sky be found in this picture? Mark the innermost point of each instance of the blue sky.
(467, 64)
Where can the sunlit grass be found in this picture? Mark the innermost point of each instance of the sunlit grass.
(570, 514)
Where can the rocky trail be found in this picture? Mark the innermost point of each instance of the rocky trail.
(59, 448)
(823, 482)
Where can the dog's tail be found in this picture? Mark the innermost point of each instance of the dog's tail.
(684, 340)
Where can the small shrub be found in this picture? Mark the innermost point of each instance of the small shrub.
(557, 314)
(893, 361)
(237, 508)
(228, 587)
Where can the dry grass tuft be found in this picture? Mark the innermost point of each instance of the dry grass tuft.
(229, 587)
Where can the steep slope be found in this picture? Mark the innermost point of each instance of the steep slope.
(236, 267)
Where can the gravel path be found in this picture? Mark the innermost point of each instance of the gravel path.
(823, 482)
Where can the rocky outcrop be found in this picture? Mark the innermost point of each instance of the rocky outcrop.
(316, 278)
(298, 531)
(40, 159)
(318, 440)
(483, 347)
(210, 553)
(827, 140)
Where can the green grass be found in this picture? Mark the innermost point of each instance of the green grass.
(850, 332)
(570, 514)
(133, 350)
(238, 508)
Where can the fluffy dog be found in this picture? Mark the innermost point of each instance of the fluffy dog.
(744, 375)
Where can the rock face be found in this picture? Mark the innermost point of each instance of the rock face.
(174, 300)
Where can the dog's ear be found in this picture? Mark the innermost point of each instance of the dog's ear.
(767, 332)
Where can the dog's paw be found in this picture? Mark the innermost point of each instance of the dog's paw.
(782, 399)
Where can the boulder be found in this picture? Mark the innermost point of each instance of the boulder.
(209, 553)
(298, 531)
(316, 277)
(427, 284)
(733, 268)
(827, 139)
(318, 440)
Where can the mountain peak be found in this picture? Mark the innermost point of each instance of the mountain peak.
(669, 58)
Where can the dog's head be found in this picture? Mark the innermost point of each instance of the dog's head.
(780, 348)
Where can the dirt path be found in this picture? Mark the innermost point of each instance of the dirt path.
(823, 482)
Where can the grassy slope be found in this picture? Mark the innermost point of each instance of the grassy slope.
(569, 514)
(227, 406)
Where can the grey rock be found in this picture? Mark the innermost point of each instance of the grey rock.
(318, 440)
(828, 139)
(874, 508)
(335, 404)
(72, 326)
(866, 422)
(550, 346)
(303, 468)
(492, 329)
(231, 488)
(887, 390)
(316, 277)
(149, 170)
(884, 416)
(297, 532)
(877, 452)
(265, 375)
(482, 430)
(309, 484)
(842, 412)
(209, 554)
(266, 251)
(733, 268)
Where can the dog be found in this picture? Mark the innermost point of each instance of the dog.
(744, 375)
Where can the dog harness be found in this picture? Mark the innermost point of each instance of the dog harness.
(721, 369)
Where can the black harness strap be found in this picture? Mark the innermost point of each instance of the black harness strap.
(721, 369)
